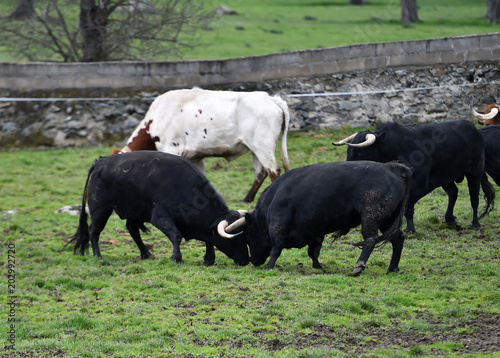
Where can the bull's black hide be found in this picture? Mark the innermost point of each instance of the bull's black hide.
(305, 204)
(440, 154)
(163, 189)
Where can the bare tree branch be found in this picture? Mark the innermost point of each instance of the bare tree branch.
(105, 30)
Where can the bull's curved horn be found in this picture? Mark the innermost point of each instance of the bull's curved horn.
(224, 229)
(369, 140)
(486, 116)
(345, 140)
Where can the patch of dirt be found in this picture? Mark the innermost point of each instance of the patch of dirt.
(481, 334)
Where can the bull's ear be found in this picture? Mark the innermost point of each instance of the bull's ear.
(380, 136)
(249, 218)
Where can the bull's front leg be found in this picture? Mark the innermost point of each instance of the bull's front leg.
(176, 255)
(209, 258)
(275, 253)
(410, 211)
(313, 251)
(397, 248)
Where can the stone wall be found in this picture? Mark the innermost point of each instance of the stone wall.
(163, 76)
(357, 98)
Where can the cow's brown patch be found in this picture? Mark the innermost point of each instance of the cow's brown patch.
(143, 139)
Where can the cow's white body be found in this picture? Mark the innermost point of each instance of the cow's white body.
(197, 123)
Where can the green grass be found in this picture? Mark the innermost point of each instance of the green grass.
(281, 25)
(264, 26)
(122, 306)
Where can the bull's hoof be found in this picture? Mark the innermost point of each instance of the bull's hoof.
(177, 260)
(246, 200)
(318, 265)
(451, 219)
(392, 270)
(208, 262)
(358, 269)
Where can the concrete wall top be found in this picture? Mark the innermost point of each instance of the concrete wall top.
(205, 73)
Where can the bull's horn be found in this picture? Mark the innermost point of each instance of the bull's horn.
(345, 140)
(491, 115)
(242, 212)
(224, 228)
(369, 140)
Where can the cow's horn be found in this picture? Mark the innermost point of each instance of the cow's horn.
(224, 228)
(491, 115)
(369, 140)
(345, 140)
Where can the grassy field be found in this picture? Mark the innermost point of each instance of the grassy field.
(264, 26)
(445, 301)
(281, 25)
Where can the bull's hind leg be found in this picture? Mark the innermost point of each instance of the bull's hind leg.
(474, 184)
(369, 230)
(452, 191)
(366, 251)
(166, 225)
(133, 229)
(99, 219)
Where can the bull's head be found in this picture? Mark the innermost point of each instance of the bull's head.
(489, 117)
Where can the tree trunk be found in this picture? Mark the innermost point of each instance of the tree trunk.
(24, 10)
(493, 11)
(409, 12)
(93, 21)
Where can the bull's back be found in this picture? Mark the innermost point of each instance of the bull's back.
(133, 183)
(330, 196)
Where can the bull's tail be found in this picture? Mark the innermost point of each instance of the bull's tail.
(81, 237)
(284, 131)
(395, 228)
(489, 195)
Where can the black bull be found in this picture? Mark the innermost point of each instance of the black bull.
(440, 155)
(165, 190)
(306, 203)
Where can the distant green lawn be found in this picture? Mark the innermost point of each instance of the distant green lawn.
(264, 26)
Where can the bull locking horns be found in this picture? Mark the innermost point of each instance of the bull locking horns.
(224, 229)
(369, 140)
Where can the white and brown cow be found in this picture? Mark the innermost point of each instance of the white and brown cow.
(196, 123)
